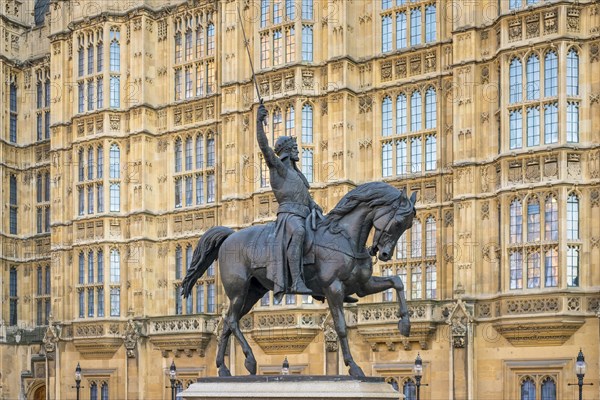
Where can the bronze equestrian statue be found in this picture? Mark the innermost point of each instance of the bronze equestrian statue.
(290, 188)
(340, 264)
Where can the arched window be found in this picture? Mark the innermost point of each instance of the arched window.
(188, 45)
(200, 298)
(528, 389)
(81, 268)
(90, 164)
(307, 123)
(415, 154)
(551, 74)
(430, 152)
(572, 73)
(409, 389)
(307, 164)
(551, 123)
(386, 159)
(572, 217)
(548, 389)
(430, 23)
(211, 40)
(47, 186)
(100, 56)
(189, 156)
(516, 270)
(430, 237)
(573, 266)
(277, 122)
(100, 163)
(415, 236)
(533, 270)
(415, 26)
(533, 77)
(178, 262)
(104, 391)
(515, 81)
(386, 116)
(401, 247)
(430, 281)
(572, 122)
(199, 151)
(210, 160)
(290, 116)
(416, 283)
(400, 30)
(401, 114)
(533, 126)
(81, 166)
(115, 162)
(115, 51)
(38, 188)
(551, 268)
(551, 218)
(386, 33)
(115, 197)
(430, 109)
(516, 129)
(178, 47)
(178, 155)
(200, 42)
(188, 257)
(115, 266)
(401, 157)
(93, 391)
(516, 221)
(533, 220)
(100, 266)
(415, 111)
(90, 266)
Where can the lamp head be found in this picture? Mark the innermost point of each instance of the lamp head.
(418, 368)
(78, 373)
(172, 371)
(285, 367)
(580, 365)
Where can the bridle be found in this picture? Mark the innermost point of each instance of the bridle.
(379, 233)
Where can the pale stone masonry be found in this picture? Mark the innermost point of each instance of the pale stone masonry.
(126, 131)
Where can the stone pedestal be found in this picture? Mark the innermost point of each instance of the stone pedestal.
(290, 387)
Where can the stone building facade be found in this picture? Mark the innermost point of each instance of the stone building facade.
(127, 130)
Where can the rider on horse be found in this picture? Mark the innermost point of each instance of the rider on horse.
(295, 204)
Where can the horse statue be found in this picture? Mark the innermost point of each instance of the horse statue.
(342, 264)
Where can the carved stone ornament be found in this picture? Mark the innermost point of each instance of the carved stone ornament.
(132, 334)
(515, 29)
(460, 319)
(50, 339)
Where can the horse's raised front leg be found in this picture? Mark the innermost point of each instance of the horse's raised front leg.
(335, 298)
(377, 284)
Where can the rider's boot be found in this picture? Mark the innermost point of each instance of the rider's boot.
(298, 285)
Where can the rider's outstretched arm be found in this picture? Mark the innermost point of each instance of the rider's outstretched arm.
(270, 157)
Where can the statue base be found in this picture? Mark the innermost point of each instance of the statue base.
(290, 387)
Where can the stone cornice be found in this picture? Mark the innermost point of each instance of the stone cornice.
(553, 331)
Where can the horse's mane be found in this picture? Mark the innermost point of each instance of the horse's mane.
(374, 194)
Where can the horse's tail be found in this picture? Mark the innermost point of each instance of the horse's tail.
(205, 254)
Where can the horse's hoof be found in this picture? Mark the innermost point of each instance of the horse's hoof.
(404, 327)
(224, 371)
(356, 371)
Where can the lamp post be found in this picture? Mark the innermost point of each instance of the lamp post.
(285, 367)
(418, 371)
(77, 379)
(172, 378)
(580, 368)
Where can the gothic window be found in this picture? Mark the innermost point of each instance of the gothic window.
(409, 389)
(401, 30)
(307, 164)
(386, 159)
(386, 33)
(90, 60)
(81, 303)
(415, 234)
(401, 247)
(80, 57)
(516, 81)
(533, 126)
(115, 51)
(415, 111)
(200, 298)
(100, 162)
(572, 73)
(178, 155)
(516, 221)
(13, 113)
(416, 283)
(210, 193)
(401, 157)
(199, 189)
(533, 220)
(528, 389)
(265, 55)
(430, 109)
(307, 43)
(99, 57)
(516, 129)
(100, 266)
(551, 123)
(210, 43)
(572, 217)
(551, 74)
(211, 298)
(189, 156)
(307, 123)
(290, 9)
(401, 117)
(188, 82)
(551, 219)
(80, 97)
(386, 116)
(290, 44)
(430, 281)
(430, 237)
(551, 268)
(533, 270)
(178, 262)
(115, 94)
(533, 77)
(290, 116)
(100, 93)
(573, 266)
(81, 268)
(115, 266)
(199, 152)
(100, 302)
(188, 45)
(430, 153)
(430, 24)
(115, 301)
(178, 194)
(415, 154)
(548, 389)
(277, 122)
(572, 122)
(277, 47)
(90, 266)
(415, 26)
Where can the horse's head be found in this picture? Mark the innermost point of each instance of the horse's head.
(390, 222)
